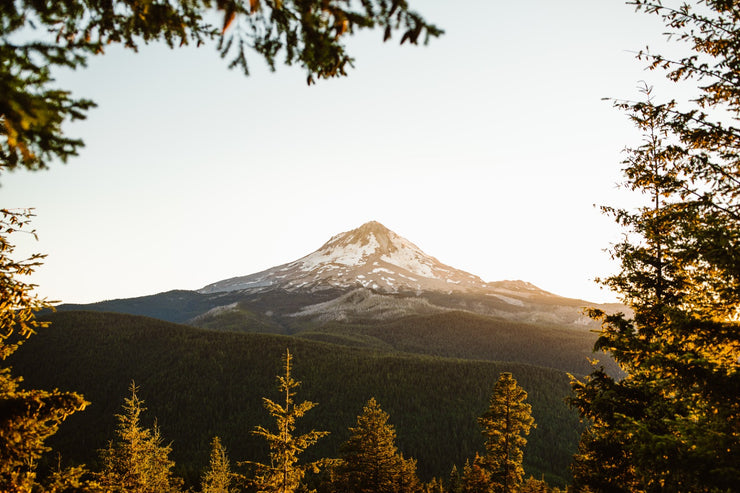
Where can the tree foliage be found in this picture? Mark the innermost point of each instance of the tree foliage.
(137, 460)
(284, 474)
(504, 426)
(673, 423)
(476, 478)
(370, 461)
(532, 485)
(27, 417)
(17, 301)
(36, 37)
(218, 477)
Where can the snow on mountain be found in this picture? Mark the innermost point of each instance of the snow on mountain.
(371, 256)
(380, 275)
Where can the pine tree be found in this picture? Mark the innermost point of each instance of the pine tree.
(454, 483)
(71, 480)
(408, 481)
(673, 423)
(283, 474)
(370, 461)
(218, 477)
(532, 485)
(476, 478)
(434, 486)
(27, 417)
(137, 461)
(504, 425)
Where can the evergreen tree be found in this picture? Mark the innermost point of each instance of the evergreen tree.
(218, 477)
(673, 423)
(454, 484)
(137, 461)
(308, 33)
(476, 478)
(434, 486)
(71, 480)
(370, 461)
(408, 481)
(27, 417)
(504, 425)
(283, 474)
(532, 485)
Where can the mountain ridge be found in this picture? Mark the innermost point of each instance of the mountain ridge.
(371, 256)
(369, 272)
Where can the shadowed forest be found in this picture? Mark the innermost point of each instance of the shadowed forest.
(199, 383)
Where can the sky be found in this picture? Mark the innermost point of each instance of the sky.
(491, 149)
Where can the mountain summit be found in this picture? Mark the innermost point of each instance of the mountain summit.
(368, 273)
(372, 273)
(371, 256)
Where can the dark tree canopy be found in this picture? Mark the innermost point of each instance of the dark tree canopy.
(36, 37)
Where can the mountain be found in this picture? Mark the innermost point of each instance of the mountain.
(367, 273)
(371, 272)
(370, 287)
(371, 256)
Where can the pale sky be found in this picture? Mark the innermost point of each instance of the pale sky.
(488, 149)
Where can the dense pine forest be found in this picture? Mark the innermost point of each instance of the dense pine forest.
(199, 384)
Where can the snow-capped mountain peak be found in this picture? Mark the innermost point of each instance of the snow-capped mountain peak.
(370, 256)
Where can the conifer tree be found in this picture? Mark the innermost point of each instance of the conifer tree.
(434, 486)
(532, 485)
(284, 474)
(218, 477)
(370, 461)
(673, 423)
(408, 481)
(74, 479)
(504, 425)
(27, 417)
(454, 483)
(476, 478)
(137, 461)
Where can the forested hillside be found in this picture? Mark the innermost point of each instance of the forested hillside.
(451, 333)
(199, 383)
(470, 336)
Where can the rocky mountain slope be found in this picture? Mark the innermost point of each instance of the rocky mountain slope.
(361, 278)
(371, 256)
(373, 273)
